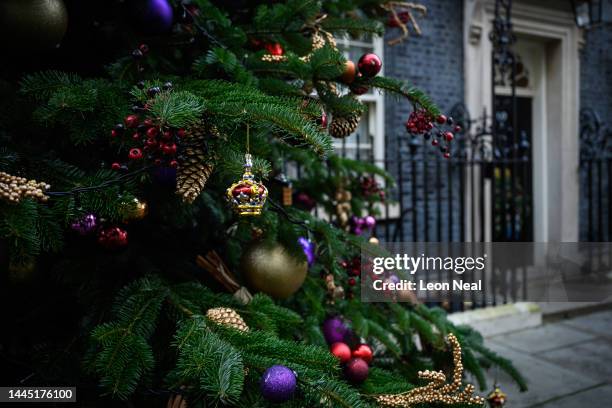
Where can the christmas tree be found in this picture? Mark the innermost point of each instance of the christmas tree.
(157, 253)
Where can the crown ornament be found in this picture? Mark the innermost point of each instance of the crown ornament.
(247, 196)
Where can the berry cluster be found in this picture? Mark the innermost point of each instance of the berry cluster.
(148, 138)
(370, 188)
(420, 122)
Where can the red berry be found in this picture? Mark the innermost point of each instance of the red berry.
(344, 264)
(131, 121)
(152, 132)
(115, 166)
(135, 136)
(169, 149)
(157, 162)
(441, 119)
(180, 133)
(114, 133)
(151, 143)
(457, 129)
(341, 350)
(167, 135)
(449, 136)
(434, 142)
(274, 49)
(148, 122)
(173, 163)
(447, 155)
(352, 281)
(135, 154)
(144, 48)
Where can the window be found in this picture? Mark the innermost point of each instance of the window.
(368, 141)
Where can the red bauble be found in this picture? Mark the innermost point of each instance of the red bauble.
(352, 281)
(356, 370)
(131, 121)
(135, 154)
(152, 132)
(364, 352)
(449, 136)
(114, 133)
(342, 351)
(275, 49)
(369, 65)
(115, 166)
(173, 164)
(180, 133)
(457, 129)
(434, 142)
(113, 237)
(441, 119)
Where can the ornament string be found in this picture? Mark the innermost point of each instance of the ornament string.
(118, 180)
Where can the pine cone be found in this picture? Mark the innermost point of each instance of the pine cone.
(227, 317)
(342, 126)
(195, 166)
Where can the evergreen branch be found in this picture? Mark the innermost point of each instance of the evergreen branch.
(41, 85)
(414, 95)
(178, 109)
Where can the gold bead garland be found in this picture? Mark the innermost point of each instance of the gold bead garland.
(437, 390)
(319, 39)
(13, 188)
(227, 317)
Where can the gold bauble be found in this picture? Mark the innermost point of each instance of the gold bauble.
(32, 25)
(270, 269)
(136, 210)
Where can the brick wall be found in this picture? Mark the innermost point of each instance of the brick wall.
(433, 63)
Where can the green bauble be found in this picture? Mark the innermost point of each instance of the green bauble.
(32, 25)
(270, 269)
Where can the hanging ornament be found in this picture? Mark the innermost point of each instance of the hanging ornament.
(194, 165)
(269, 268)
(356, 370)
(335, 330)
(497, 398)
(227, 317)
(278, 383)
(154, 16)
(309, 249)
(341, 350)
(13, 189)
(247, 196)
(364, 352)
(342, 126)
(369, 65)
(85, 225)
(437, 391)
(29, 26)
(374, 241)
(349, 73)
(334, 292)
(113, 238)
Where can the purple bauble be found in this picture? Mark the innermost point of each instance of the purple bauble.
(155, 16)
(86, 225)
(278, 383)
(309, 249)
(334, 330)
(370, 221)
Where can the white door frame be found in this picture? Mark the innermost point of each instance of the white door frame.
(555, 157)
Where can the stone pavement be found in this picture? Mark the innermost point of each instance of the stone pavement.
(568, 364)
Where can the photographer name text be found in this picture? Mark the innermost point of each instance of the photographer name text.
(422, 285)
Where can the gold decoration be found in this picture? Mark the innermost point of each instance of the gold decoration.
(437, 391)
(137, 210)
(405, 7)
(246, 195)
(13, 188)
(319, 39)
(333, 292)
(342, 126)
(343, 206)
(270, 269)
(194, 165)
(227, 317)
